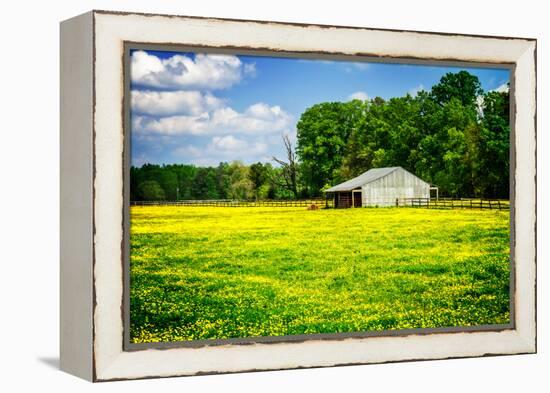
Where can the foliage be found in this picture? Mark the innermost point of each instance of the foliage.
(494, 143)
(151, 190)
(214, 273)
(460, 85)
(454, 136)
(323, 131)
(233, 180)
(258, 176)
(204, 184)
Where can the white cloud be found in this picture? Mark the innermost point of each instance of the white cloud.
(209, 71)
(504, 88)
(224, 148)
(318, 61)
(257, 119)
(355, 66)
(360, 65)
(174, 108)
(480, 100)
(347, 66)
(140, 160)
(228, 143)
(265, 112)
(188, 151)
(249, 69)
(168, 103)
(144, 64)
(415, 90)
(358, 95)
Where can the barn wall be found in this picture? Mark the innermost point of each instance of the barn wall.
(398, 184)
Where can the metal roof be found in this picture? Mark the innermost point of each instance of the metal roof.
(365, 178)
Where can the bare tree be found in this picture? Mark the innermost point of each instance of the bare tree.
(289, 171)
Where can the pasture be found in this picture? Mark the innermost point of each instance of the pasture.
(222, 272)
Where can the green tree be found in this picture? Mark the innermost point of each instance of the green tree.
(240, 186)
(495, 144)
(322, 134)
(257, 175)
(150, 190)
(205, 184)
(387, 134)
(186, 175)
(223, 180)
(460, 85)
(168, 180)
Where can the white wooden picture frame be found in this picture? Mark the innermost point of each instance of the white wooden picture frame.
(92, 193)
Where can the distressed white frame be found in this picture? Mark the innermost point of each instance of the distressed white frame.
(95, 350)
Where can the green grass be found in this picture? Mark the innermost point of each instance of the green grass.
(214, 273)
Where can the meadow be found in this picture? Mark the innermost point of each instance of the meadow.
(222, 272)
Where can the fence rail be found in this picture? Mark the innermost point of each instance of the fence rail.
(429, 203)
(239, 203)
(454, 203)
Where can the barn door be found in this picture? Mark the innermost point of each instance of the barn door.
(344, 200)
(357, 198)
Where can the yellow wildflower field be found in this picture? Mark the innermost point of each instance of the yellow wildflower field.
(222, 272)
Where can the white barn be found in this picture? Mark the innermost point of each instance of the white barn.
(379, 187)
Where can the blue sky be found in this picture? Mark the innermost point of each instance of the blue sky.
(203, 109)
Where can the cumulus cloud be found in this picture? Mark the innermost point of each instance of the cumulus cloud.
(228, 143)
(168, 103)
(352, 66)
(358, 95)
(229, 146)
(360, 65)
(189, 151)
(209, 71)
(178, 117)
(223, 148)
(480, 100)
(249, 69)
(504, 88)
(259, 118)
(415, 90)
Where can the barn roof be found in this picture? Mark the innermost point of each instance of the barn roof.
(365, 178)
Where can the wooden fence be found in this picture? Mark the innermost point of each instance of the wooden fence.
(454, 203)
(239, 203)
(440, 203)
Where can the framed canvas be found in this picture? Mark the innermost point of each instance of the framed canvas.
(212, 173)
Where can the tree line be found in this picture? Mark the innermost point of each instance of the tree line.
(233, 180)
(454, 136)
